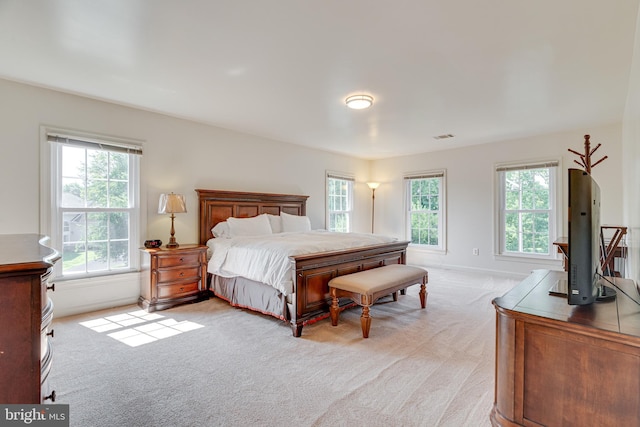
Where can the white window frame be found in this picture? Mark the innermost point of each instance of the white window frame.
(555, 212)
(51, 190)
(350, 181)
(442, 208)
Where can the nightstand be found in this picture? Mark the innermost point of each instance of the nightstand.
(172, 276)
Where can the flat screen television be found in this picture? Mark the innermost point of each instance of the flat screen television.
(584, 284)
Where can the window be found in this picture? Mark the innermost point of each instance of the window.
(339, 202)
(94, 214)
(527, 209)
(425, 200)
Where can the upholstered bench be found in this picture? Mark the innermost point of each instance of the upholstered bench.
(366, 287)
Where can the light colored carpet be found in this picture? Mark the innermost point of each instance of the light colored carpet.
(432, 367)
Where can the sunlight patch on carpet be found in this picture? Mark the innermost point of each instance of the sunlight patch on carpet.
(147, 329)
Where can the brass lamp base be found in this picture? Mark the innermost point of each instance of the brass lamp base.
(172, 241)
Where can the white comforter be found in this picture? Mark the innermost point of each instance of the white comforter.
(266, 258)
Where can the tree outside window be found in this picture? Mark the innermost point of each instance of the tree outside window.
(94, 205)
(527, 209)
(339, 203)
(425, 213)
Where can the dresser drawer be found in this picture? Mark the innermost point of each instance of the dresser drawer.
(46, 329)
(178, 289)
(46, 286)
(169, 275)
(182, 259)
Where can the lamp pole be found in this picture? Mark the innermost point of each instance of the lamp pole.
(373, 207)
(373, 186)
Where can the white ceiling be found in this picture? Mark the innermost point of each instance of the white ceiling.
(482, 70)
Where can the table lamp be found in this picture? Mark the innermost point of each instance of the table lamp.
(173, 204)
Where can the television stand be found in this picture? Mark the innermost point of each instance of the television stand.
(605, 293)
(559, 288)
(560, 364)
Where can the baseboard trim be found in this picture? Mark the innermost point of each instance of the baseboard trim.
(95, 293)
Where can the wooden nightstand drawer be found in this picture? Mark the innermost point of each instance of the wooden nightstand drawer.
(165, 261)
(172, 276)
(177, 290)
(169, 275)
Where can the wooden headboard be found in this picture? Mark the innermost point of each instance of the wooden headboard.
(216, 206)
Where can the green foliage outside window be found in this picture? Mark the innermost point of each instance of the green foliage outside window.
(425, 211)
(95, 240)
(339, 204)
(527, 210)
(338, 222)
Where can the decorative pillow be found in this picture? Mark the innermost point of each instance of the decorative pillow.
(256, 226)
(276, 223)
(295, 223)
(221, 230)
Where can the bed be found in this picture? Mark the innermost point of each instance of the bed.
(309, 298)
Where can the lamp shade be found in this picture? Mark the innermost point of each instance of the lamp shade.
(172, 203)
(373, 185)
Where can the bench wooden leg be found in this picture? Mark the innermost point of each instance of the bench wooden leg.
(395, 296)
(365, 321)
(423, 295)
(334, 309)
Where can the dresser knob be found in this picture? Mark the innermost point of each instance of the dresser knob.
(52, 396)
(50, 333)
(181, 273)
(52, 288)
(181, 259)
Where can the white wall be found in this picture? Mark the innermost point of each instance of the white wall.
(471, 188)
(179, 156)
(631, 169)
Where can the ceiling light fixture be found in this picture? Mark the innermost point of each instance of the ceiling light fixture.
(359, 102)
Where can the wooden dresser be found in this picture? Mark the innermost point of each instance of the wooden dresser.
(565, 365)
(172, 276)
(26, 313)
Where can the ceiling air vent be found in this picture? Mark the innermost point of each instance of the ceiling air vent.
(444, 136)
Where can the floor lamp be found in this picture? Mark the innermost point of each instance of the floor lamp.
(373, 186)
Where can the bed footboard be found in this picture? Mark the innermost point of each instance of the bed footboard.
(311, 299)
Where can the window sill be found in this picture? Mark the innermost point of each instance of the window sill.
(531, 259)
(94, 275)
(427, 249)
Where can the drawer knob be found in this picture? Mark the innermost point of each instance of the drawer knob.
(52, 288)
(181, 289)
(50, 333)
(181, 259)
(52, 396)
(181, 273)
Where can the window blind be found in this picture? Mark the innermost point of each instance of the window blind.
(94, 145)
(425, 175)
(345, 178)
(551, 164)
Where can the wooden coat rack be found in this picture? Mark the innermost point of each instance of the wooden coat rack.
(585, 159)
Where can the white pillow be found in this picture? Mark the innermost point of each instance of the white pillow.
(295, 222)
(221, 230)
(256, 226)
(276, 223)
